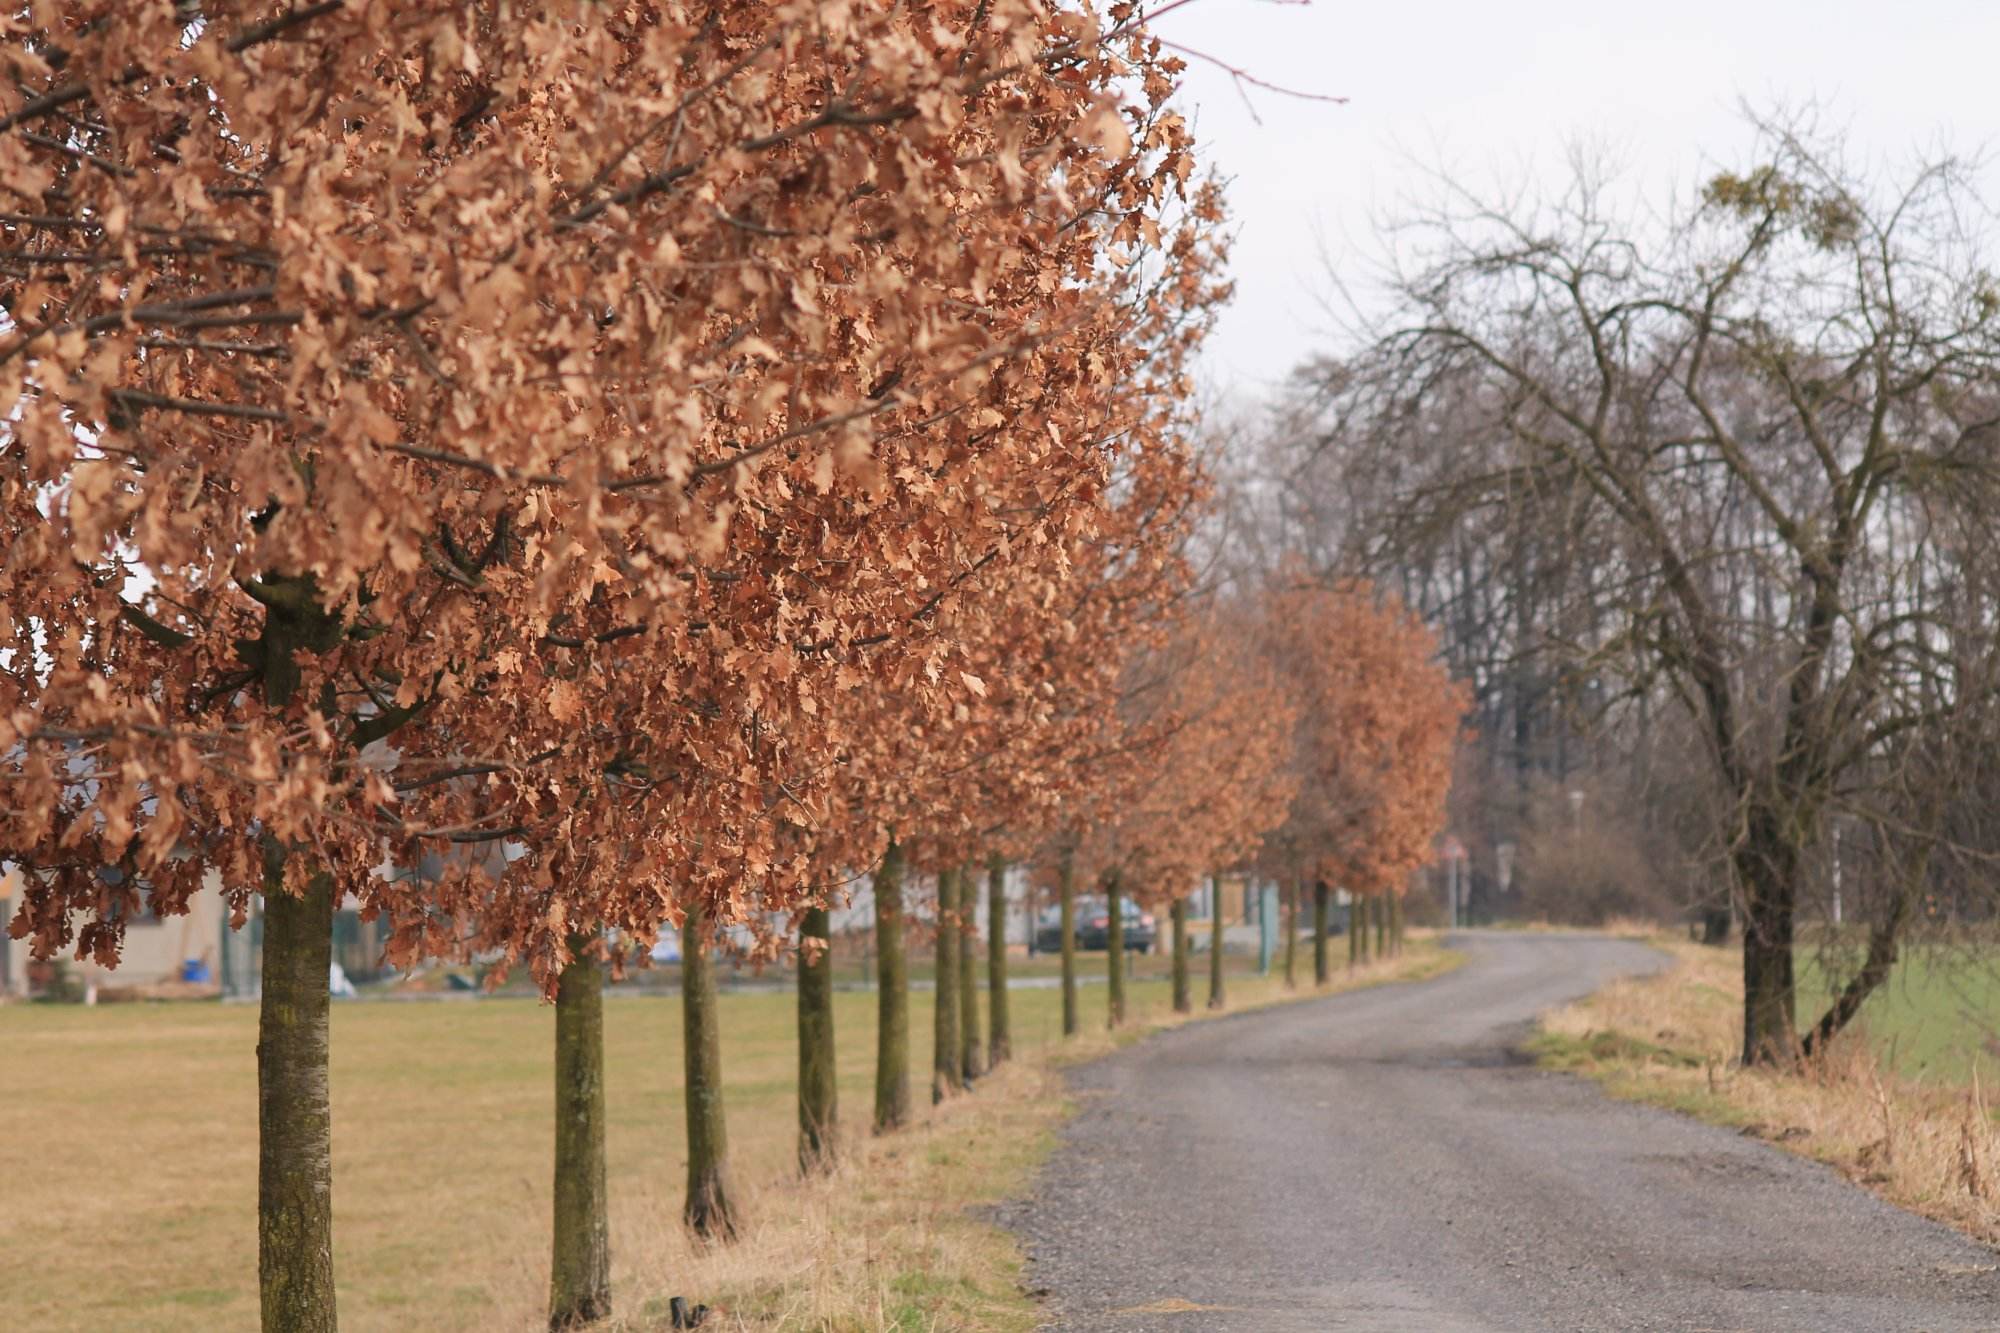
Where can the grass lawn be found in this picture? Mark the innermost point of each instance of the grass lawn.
(852, 968)
(1937, 1015)
(128, 1160)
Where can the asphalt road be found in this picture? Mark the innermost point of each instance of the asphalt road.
(1380, 1161)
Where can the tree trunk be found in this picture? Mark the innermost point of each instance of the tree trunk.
(947, 1060)
(1000, 1039)
(1292, 936)
(1215, 996)
(972, 1061)
(580, 1270)
(1183, 999)
(1114, 947)
(708, 1210)
(294, 1115)
(892, 998)
(1030, 911)
(1883, 938)
(1357, 925)
(1768, 865)
(1066, 892)
(1380, 910)
(1396, 925)
(819, 1093)
(1320, 973)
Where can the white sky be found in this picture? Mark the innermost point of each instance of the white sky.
(1498, 88)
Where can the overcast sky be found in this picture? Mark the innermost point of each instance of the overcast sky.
(1502, 88)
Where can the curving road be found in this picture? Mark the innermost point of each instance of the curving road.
(1379, 1161)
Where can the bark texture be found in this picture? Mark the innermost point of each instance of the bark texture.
(1768, 866)
(1066, 896)
(580, 1266)
(971, 1049)
(709, 1212)
(1292, 935)
(1114, 947)
(947, 1060)
(1216, 998)
(294, 1115)
(1183, 993)
(819, 1093)
(1320, 973)
(999, 1034)
(892, 998)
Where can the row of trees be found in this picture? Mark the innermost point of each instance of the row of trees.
(1333, 768)
(642, 465)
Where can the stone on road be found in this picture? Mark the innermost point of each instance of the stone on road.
(1379, 1160)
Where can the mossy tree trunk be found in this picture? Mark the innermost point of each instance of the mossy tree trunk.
(294, 1113)
(1066, 898)
(580, 1267)
(1321, 974)
(947, 1060)
(972, 1057)
(1183, 997)
(1292, 935)
(709, 1212)
(1114, 947)
(892, 997)
(1000, 1037)
(819, 1094)
(1216, 998)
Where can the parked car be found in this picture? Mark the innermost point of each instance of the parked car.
(1093, 927)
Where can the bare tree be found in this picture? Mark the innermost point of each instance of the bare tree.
(1750, 446)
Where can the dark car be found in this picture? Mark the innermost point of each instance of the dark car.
(1093, 927)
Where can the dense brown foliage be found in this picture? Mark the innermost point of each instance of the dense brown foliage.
(1380, 723)
(1207, 770)
(593, 432)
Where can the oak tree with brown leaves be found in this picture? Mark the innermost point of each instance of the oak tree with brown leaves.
(446, 426)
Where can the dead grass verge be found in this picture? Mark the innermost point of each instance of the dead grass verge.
(1672, 1039)
(894, 1238)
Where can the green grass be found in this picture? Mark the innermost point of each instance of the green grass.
(128, 1160)
(1937, 1015)
(1562, 1050)
(852, 968)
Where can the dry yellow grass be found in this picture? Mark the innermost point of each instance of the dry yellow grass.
(929, 1261)
(128, 1165)
(1673, 1039)
(1622, 927)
